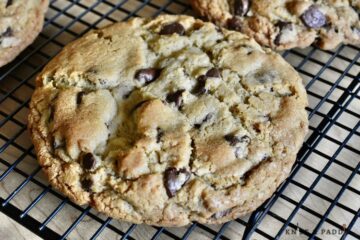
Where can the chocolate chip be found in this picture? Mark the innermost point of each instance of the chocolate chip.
(8, 32)
(257, 127)
(234, 24)
(241, 7)
(159, 135)
(221, 214)
(213, 72)
(79, 97)
(245, 139)
(232, 139)
(175, 97)
(282, 27)
(86, 184)
(172, 28)
(207, 118)
(8, 3)
(88, 161)
(313, 17)
(147, 75)
(175, 179)
(200, 85)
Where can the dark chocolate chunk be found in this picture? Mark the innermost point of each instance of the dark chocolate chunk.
(8, 3)
(207, 118)
(79, 97)
(147, 75)
(8, 32)
(175, 97)
(86, 184)
(234, 24)
(241, 7)
(282, 27)
(175, 179)
(200, 86)
(257, 127)
(159, 135)
(245, 139)
(232, 139)
(213, 72)
(313, 17)
(88, 161)
(172, 28)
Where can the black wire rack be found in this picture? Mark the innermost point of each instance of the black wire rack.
(319, 200)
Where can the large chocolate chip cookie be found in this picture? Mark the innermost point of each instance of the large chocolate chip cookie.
(168, 121)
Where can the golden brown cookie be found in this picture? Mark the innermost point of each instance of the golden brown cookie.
(285, 24)
(168, 121)
(20, 23)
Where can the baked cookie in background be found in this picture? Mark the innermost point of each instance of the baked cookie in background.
(20, 23)
(285, 24)
(168, 121)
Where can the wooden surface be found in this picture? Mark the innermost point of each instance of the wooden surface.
(11, 230)
(21, 147)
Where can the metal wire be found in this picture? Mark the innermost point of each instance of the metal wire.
(324, 116)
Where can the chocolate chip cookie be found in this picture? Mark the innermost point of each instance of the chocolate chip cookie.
(287, 24)
(168, 121)
(20, 23)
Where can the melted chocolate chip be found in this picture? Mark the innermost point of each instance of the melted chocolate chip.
(207, 118)
(213, 72)
(8, 3)
(86, 184)
(313, 17)
(282, 27)
(172, 28)
(241, 7)
(159, 135)
(88, 161)
(175, 179)
(234, 24)
(79, 97)
(175, 97)
(232, 139)
(200, 86)
(8, 32)
(147, 75)
(245, 139)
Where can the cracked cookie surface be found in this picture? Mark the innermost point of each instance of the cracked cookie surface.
(20, 23)
(168, 121)
(285, 24)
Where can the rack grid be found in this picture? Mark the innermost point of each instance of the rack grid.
(319, 200)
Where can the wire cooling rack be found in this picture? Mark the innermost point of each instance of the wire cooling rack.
(320, 199)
